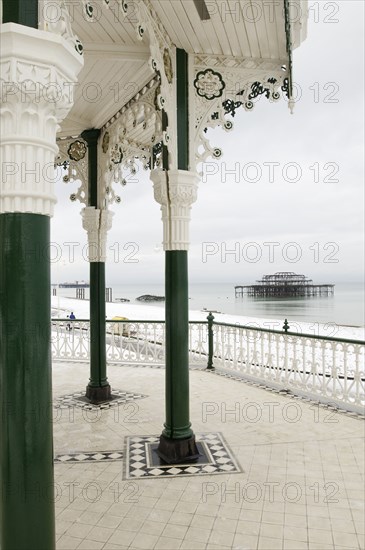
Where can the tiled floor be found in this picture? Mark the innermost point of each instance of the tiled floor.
(301, 483)
(142, 460)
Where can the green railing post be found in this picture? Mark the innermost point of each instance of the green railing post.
(210, 341)
(286, 326)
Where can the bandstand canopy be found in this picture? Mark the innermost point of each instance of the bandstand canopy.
(119, 38)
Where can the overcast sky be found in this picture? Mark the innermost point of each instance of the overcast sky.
(234, 212)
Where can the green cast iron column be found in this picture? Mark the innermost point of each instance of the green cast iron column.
(177, 442)
(23, 12)
(26, 446)
(98, 389)
(177, 424)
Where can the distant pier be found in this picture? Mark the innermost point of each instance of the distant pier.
(284, 284)
(76, 284)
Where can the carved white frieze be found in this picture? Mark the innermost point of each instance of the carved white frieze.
(97, 223)
(38, 71)
(175, 191)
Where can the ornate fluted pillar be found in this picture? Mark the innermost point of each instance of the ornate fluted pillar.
(97, 221)
(176, 190)
(37, 73)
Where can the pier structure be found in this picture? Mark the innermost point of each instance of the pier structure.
(76, 284)
(80, 293)
(284, 284)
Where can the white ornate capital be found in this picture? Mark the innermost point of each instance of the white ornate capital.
(97, 224)
(175, 191)
(38, 71)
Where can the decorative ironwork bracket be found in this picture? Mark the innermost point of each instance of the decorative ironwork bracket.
(222, 85)
(72, 158)
(219, 86)
(132, 135)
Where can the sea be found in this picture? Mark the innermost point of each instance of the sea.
(345, 307)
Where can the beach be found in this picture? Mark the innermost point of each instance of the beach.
(62, 306)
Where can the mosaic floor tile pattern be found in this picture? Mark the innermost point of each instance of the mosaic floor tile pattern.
(79, 400)
(81, 457)
(141, 460)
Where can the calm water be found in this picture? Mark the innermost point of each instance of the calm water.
(346, 307)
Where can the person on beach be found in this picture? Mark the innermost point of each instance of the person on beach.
(72, 318)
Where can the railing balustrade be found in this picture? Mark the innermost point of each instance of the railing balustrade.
(325, 369)
(138, 342)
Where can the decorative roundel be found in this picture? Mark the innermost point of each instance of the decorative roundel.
(217, 153)
(228, 125)
(125, 7)
(118, 199)
(276, 96)
(79, 47)
(89, 10)
(161, 101)
(154, 64)
(124, 182)
(166, 138)
(153, 139)
(77, 150)
(209, 84)
(66, 179)
(73, 197)
(248, 105)
(140, 31)
(133, 171)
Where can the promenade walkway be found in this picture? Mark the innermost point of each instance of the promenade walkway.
(281, 473)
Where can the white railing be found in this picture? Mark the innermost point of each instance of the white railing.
(325, 369)
(321, 368)
(136, 342)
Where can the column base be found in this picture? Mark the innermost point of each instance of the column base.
(98, 394)
(177, 451)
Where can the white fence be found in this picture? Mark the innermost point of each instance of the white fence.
(138, 342)
(325, 369)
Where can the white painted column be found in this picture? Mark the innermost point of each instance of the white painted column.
(175, 191)
(96, 223)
